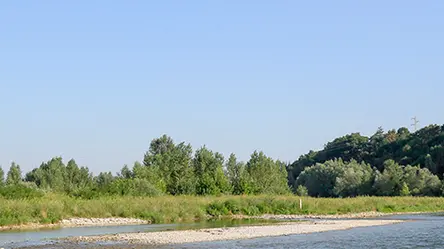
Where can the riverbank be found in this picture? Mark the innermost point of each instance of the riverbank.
(116, 221)
(231, 233)
(52, 211)
(290, 217)
(78, 222)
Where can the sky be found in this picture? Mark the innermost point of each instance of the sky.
(98, 80)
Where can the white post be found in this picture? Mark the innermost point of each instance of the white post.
(300, 203)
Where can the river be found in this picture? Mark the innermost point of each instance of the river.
(425, 231)
(38, 237)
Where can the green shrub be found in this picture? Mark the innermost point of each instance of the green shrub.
(20, 191)
(217, 208)
(232, 206)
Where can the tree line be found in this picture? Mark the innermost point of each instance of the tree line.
(396, 162)
(392, 163)
(167, 168)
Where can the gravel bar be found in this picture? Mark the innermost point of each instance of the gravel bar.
(231, 233)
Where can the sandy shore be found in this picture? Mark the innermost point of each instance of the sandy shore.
(232, 233)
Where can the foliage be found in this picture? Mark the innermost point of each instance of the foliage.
(402, 180)
(2, 177)
(354, 179)
(336, 178)
(171, 209)
(238, 176)
(208, 170)
(14, 176)
(392, 163)
(133, 187)
(301, 191)
(405, 191)
(20, 191)
(170, 164)
(320, 179)
(266, 175)
(424, 148)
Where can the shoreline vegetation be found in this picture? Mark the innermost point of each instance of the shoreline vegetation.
(63, 211)
(387, 172)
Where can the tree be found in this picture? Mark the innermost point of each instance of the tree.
(421, 182)
(2, 177)
(104, 181)
(337, 178)
(405, 191)
(320, 179)
(437, 155)
(299, 165)
(171, 164)
(72, 175)
(151, 174)
(429, 164)
(237, 176)
(126, 173)
(352, 146)
(401, 146)
(354, 179)
(389, 183)
(51, 175)
(208, 169)
(14, 176)
(266, 175)
(77, 178)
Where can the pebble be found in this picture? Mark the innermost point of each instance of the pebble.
(232, 233)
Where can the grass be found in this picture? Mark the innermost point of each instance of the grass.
(167, 209)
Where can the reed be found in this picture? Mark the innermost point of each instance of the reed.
(52, 208)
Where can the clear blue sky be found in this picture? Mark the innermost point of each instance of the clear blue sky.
(98, 80)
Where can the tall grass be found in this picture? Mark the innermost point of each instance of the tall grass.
(166, 209)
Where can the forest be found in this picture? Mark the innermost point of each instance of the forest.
(392, 163)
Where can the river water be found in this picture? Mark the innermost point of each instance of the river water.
(425, 231)
(13, 239)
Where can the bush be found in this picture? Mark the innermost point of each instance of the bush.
(232, 206)
(217, 208)
(87, 193)
(134, 187)
(20, 191)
